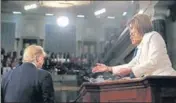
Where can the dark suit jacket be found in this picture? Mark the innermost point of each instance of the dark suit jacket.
(27, 84)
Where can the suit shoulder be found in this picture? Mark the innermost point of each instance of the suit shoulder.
(43, 75)
(43, 72)
(157, 37)
(151, 35)
(155, 34)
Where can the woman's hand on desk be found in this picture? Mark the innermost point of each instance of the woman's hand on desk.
(101, 68)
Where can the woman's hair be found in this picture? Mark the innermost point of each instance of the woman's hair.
(142, 23)
(31, 52)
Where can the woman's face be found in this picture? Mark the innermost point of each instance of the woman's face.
(135, 36)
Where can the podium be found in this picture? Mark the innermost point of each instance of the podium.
(151, 89)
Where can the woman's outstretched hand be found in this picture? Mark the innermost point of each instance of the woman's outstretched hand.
(100, 68)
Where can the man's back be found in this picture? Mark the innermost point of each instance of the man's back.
(28, 84)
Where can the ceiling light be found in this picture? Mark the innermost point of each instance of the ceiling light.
(49, 14)
(98, 12)
(141, 11)
(63, 21)
(16, 12)
(62, 3)
(80, 16)
(28, 7)
(124, 13)
(111, 17)
(132, 1)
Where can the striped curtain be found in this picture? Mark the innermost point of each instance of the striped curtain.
(8, 36)
(60, 39)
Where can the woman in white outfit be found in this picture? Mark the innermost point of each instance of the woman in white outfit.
(151, 57)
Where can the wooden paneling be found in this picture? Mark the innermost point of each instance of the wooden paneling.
(152, 89)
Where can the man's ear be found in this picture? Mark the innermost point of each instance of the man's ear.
(38, 58)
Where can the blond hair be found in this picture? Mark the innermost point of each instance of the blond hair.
(31, 52)
(142, 23)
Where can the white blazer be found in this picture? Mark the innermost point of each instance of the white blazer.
(151, 58)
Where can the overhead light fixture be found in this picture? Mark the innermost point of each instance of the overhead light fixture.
(80, 16)
(16, 12)
(132, 1)
(28, 7)
(62, 3)
(63, 21)
(111, 17)
(98, 12)
(124, 13)
(47, 14)
(141, 11)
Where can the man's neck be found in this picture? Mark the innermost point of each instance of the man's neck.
(34, 64)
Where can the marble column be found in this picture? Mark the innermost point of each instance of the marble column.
(159, 19)
(17, 43)
(160, 26)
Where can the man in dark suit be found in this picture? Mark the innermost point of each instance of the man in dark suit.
(28, 83)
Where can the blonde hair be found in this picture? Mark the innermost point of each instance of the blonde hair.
(31, 52)
(142, 23)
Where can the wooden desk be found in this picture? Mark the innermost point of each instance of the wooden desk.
(151, 89)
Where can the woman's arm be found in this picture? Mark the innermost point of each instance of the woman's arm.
(115, 69)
